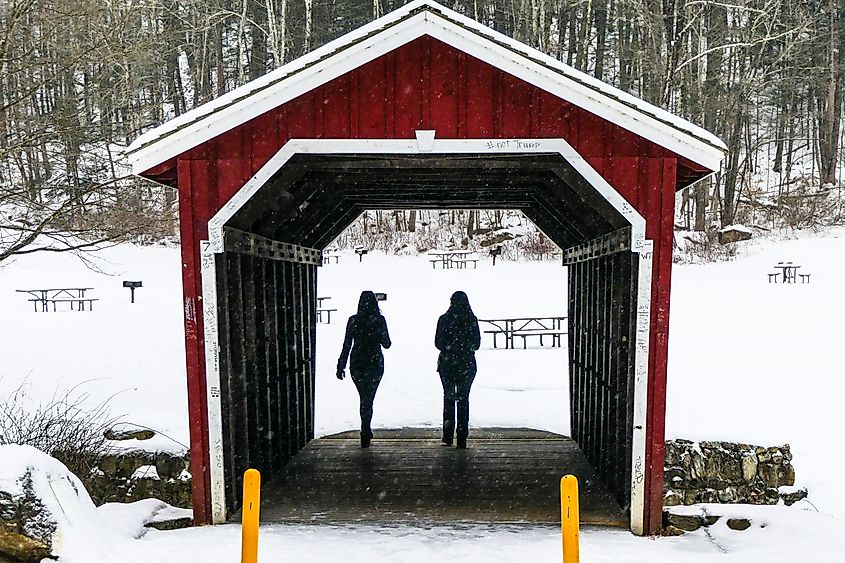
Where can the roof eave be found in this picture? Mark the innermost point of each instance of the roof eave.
(396, 29)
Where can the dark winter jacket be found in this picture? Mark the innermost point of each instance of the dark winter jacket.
(365, 337)
(457, 336)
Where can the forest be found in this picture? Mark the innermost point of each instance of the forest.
(80, 79)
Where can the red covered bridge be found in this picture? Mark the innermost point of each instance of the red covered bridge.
(422, 108)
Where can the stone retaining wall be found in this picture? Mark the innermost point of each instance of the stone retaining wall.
(727, 472)
(134, 475)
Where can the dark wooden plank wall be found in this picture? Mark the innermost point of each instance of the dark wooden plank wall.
(602, 326)
(267, 319)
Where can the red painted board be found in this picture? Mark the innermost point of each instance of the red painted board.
(197, 413)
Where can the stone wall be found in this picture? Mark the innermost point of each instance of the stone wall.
(127, 476)
(727, 472)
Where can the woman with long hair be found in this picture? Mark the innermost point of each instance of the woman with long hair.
(457, 338)
(366, 334)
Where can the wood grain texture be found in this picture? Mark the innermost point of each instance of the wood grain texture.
(505, 475)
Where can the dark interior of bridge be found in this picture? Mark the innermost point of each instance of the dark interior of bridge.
(267, 289)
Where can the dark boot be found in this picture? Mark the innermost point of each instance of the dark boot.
(462, 443)
(365, 441)
(448, 434)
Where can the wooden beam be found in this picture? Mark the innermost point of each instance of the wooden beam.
(241, 242)
(610, 243)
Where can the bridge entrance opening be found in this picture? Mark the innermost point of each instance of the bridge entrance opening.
(260, 272)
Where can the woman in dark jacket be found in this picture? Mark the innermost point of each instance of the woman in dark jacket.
(457, 338)
(366, 334)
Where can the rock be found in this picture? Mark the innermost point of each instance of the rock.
(169, 466)
(786, 474)
(710, 519)
(129, 462)
(731, 469)
(697, 465)
(771, 496)
(671, 498)
(707, 495)
(738, 524)
(671, 473)
(727, 495)
(671, 531)
(790, 495)
(176, 524)
(673, 456)
(749, 467)
(687, 523)
(41, 503)
(768, 473)
(125, 434)
(734, 233)
(18, 547)
(725, 472)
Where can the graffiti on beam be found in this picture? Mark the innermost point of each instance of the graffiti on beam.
(639, 475)
(512, 144)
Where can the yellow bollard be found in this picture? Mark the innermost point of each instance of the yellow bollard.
(569, 518)
(249, 516)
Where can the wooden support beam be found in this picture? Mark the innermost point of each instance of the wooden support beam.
(611, 243)
(241, 242)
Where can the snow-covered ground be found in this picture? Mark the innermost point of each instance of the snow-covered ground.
(778, 535)
(749, 361)
(131, 355)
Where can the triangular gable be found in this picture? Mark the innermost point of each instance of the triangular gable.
(394, 30)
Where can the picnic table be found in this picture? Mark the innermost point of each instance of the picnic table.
(324, 311)
(72, 295)
(449, 259)
(788, 273)
(526, 327)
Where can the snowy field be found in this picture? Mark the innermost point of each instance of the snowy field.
(749, 361)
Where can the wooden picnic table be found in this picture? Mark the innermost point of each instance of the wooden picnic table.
(323, 311)
(525, 327)
(790, 271)
(450, 258)
(59, 295)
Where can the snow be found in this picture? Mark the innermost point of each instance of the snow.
(65, 501)
(788, 535)
(760, 363)
(749, 361)
(146, 472)
(525, 388)
(131, 355)
(740, 228)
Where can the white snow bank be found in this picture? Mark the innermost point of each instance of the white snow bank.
(778, 534)
(128, 520)
(66, 502)
(740, 228)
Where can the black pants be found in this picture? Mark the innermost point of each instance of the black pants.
(456, 386)
(366, 381)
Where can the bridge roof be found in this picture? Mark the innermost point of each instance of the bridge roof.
(414, 20)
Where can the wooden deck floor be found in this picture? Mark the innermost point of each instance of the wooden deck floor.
(505, 475)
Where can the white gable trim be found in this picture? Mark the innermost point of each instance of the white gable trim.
(398, 28)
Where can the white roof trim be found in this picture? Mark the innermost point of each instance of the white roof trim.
(423, 17)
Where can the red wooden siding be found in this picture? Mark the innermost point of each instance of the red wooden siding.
(426, 84)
